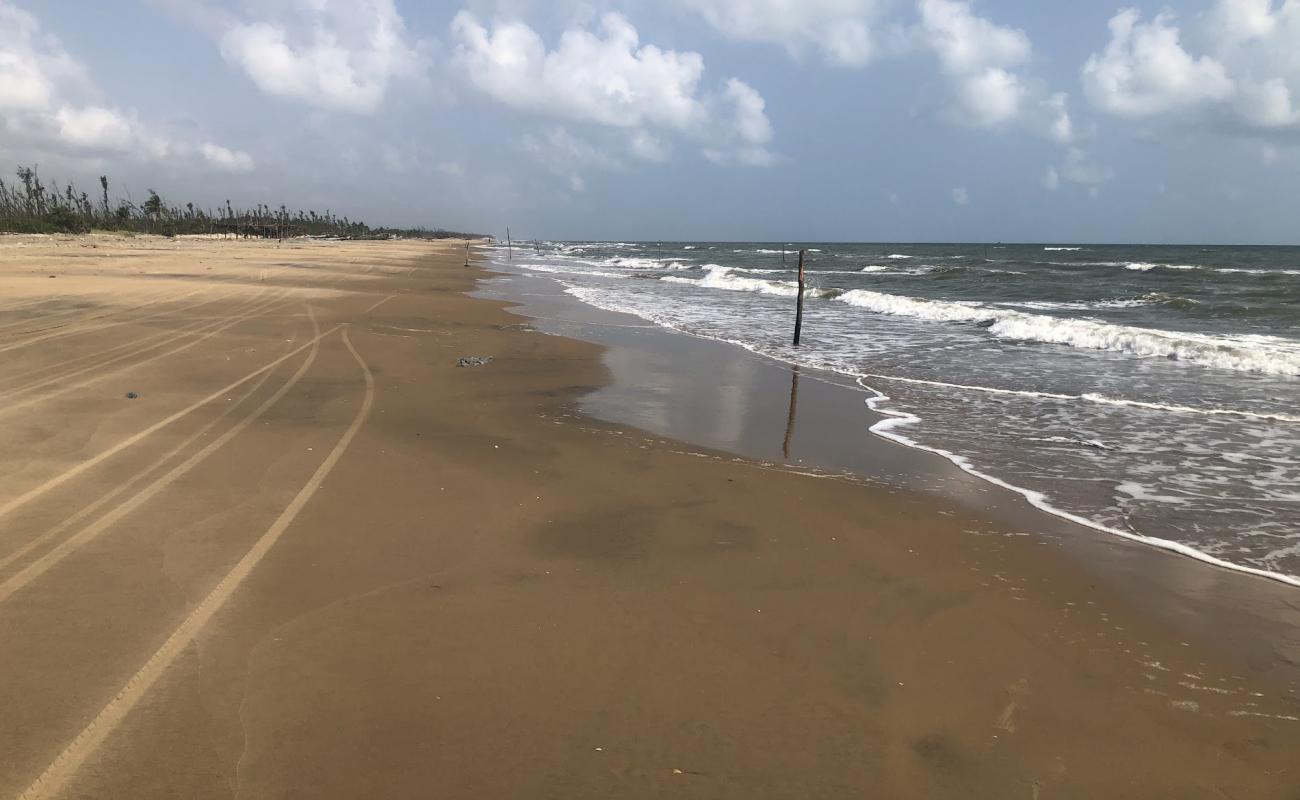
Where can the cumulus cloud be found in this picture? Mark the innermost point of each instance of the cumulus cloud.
(1235, 65)
(94, 128)
(46, 104)
(744, 141)
(226, 159)
(1144, 70)
(606, 77)
(334, 54)
(839, 30)
(979, 58)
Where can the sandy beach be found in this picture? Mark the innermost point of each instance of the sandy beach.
(261, 537)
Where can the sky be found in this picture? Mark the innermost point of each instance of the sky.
(756, 120)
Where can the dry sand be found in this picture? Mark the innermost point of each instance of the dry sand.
(312, 557)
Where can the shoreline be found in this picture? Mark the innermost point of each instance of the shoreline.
(1261, 618)
(493, 594)
(888, 420)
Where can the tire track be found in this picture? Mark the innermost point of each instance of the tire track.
(158, 335)
(213, 330)
(91, 532)
(134, 439)
(380, 303)
(77, 330)
(21, 305)
(85, 314)
(86, 511)
(65, 766)
(185, 330)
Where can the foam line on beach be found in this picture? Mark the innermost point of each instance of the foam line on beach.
(898, 419)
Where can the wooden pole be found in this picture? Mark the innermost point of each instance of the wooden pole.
(510, 245)
(798, 314)
(467, 252)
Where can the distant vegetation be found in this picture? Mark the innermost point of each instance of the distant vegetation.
(28, 206)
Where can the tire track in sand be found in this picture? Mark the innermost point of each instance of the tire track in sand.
(65, 766)
(98, 356)
(60, 332)
(53, 483)
(260, 300)
(26, 549)
(86, 314)
(39, 566)
(207, 332)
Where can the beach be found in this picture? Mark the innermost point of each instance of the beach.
(261, 536)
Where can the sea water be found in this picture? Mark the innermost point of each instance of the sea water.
(1151, 392)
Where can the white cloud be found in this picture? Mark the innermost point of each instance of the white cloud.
(840, 30)
(34, 67)
(1145, 71)
(1233, 67)
(745, 140)
(334, 54)
(608, 78)
(960, 196)
(564, 153)
(94, 128)
(1077, 169)
(648, 147)
(979, 59)
(48, 105)
(225, 159)
(1051, 179)
(605, 78)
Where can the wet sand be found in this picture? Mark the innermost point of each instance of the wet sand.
(312, 557)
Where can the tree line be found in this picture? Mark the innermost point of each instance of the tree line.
(27, 205)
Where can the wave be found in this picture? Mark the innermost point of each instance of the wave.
(1149, 299)
(557, 270)
(637, 263)
(1060, 249)
(898, 256)
(1142, 266)
(893, 420)
(1278, 357)
(1245, 271)
(1258, 354)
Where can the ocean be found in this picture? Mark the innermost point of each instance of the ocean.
(1150, 392)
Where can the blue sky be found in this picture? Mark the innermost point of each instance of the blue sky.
(882, 120)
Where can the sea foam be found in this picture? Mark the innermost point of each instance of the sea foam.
(1258, 354)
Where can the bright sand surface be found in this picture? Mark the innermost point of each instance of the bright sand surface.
(311, 557)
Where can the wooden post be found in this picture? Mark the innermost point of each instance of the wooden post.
(798, 314)
(510, 246)
(467, 252)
